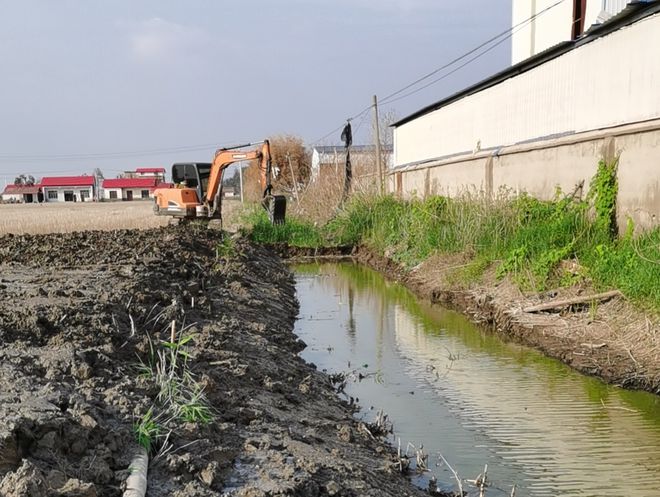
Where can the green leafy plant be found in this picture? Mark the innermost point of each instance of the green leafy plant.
(603, 192)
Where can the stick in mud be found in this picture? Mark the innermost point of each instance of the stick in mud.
(456, 477)
(576, 300)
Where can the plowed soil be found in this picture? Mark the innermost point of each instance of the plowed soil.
(82, 318)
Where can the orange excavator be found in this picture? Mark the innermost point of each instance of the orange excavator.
(197, 190)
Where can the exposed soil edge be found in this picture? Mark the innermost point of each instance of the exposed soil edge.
(289, 252)
(611, 362)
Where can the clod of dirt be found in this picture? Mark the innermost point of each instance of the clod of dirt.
(26, 481)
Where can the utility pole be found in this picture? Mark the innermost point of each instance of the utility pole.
(240, 179)
(293, 179)
(377, 145)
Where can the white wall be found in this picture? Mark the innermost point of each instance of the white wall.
(61, 189)
(553, 26)
(10, 197)
(607, 82)
(121, 193)
(107, 193)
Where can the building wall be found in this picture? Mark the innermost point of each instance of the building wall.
(11, 197)
(60, 192)
(122, 193)
(539, 168)
(605, 83)
(553, 26)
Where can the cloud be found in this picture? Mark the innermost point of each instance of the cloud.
(156, 39)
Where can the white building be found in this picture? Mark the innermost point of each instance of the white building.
(333, 158)
(547, 121)
(157, 173)
(541, 24)
(131, 188)
(68, 188)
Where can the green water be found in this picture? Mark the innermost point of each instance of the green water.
(473, 398)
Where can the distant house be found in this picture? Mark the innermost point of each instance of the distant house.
(68, 188)
(131, 188)
(331, 159)
(20, 193)
(157, 173)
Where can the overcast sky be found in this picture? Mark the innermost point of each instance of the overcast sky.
(107, 78)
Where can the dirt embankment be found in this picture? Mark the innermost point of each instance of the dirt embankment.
(82, 317)
(611, 339)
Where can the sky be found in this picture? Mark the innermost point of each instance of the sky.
(120, 84)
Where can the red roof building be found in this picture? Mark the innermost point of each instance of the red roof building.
(65, 181)
(20, 193)
(145, 170)
(129, 183)
(68, 188)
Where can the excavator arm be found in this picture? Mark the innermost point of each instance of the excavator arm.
(274, 204)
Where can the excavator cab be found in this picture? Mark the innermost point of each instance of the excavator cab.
(192, 175)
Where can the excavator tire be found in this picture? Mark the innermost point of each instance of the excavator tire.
(277, 209)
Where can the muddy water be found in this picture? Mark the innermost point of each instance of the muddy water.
(473, 398)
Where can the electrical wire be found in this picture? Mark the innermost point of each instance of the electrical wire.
(508, 33)
(479, 55)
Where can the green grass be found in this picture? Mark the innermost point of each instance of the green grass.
(147, 430)
(527, 239)
(296, 232)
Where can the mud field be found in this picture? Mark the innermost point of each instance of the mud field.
(92, 325)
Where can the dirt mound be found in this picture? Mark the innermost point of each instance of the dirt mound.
(88, 362)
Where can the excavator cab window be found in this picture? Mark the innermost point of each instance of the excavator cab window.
(195, 175)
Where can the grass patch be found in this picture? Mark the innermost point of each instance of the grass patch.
(295, 232)
(539, 244)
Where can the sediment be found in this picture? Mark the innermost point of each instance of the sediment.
(81, 316)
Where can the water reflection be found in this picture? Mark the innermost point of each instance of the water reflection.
(476, 399)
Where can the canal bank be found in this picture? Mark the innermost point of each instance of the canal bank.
(609, 339)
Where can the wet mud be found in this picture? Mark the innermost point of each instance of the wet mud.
(81, 315)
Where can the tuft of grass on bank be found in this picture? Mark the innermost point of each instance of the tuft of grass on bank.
(295, 232)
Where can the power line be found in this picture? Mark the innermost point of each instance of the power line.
(508, 33)
(479, 55)
(359, 114)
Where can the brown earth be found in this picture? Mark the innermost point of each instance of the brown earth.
(612, 340)
(81, 318)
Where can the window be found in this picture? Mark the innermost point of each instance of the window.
(145, 193)
(113, 194)
(52, 194)
(84, 195)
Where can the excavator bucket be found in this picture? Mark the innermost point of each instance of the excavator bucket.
(276, 207)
